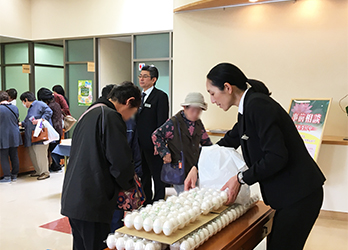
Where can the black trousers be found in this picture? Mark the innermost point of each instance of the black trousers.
(152, 166)
(89, 235)
(292, 225)
(5, 163)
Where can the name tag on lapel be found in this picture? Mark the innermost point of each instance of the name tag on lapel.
(245, 137)
(147, 105)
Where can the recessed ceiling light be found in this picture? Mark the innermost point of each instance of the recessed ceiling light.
(253, 1)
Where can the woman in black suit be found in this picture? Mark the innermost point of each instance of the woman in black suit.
(290, 180)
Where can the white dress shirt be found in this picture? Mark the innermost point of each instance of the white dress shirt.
(148, 92)
(241, 103)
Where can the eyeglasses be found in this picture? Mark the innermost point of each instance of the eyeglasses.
(143, 76)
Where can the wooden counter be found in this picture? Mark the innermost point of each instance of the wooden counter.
(334, 140)
(25, 164)
(327, 139)
(245, 233)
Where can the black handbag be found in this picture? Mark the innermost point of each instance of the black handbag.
(174, 173)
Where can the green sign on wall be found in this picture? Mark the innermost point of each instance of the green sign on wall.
(85, 95)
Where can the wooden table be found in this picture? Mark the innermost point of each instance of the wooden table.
(245, 233)
(25, 164)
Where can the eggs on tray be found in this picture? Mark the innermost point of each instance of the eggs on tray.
(161, 223)
(176, 212)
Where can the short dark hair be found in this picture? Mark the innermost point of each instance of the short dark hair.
(45, 95)
(107, 89)
(153, 71)
(28, 95)
(121, 93)
(3, 96)
(12, 93)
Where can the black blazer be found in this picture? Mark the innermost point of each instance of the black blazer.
(151, 115)
(100, 166)
(274, 152)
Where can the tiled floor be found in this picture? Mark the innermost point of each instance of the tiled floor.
(29, 204)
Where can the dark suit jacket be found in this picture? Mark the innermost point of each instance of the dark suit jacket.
(152, 115)
(274, 152)
(100, 166)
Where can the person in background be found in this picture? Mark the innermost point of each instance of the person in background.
(59, 90)
(153, 112)
(62, 103)
(167, 138)
(37, 151)
(10, 138)
(60, 98)
(47, 97)
(12, 96)
(132, 138)
(100, 166)
(290, 180)
(132, 134)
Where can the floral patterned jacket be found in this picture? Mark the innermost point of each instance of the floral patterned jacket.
(165, 133)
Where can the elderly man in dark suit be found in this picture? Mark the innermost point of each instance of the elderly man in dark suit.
(153, 112)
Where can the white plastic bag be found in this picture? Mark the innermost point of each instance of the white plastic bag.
(217, 165)
(51, 132)
(38, 128)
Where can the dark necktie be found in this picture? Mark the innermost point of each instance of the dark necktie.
(142, 101)
(143, 98)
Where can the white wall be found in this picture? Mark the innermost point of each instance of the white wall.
(15, 18)
(114, 61)
(298, 49)
(333, 160)
(66, 18)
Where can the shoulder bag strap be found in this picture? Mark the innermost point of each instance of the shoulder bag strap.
(93, 107)
(17, 117)
(182, 147)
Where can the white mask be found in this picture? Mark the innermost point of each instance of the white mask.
(24, 105)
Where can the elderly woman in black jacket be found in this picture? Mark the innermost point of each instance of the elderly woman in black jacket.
(10, 138)
(100, 166)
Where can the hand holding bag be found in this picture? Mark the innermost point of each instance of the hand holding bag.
(40, 133)
(174, 173)
(133, 198)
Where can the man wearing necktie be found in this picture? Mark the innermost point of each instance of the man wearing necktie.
(153, 112)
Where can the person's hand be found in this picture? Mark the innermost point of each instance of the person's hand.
(167, 158)
(34, 122)
(191, 179)
(233, 189)
(20, 124)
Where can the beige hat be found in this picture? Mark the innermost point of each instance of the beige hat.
(195, 99)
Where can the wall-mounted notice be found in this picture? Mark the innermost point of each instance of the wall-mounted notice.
(90, 67)
(85, 94)
(309, 116)
(26, 68)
